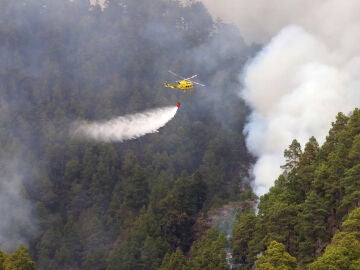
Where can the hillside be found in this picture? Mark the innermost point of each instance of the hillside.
(178, 198)
(86, 205)
(310, 206)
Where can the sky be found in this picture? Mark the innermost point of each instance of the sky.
(307, 71)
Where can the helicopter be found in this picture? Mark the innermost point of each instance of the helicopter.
(184, 84)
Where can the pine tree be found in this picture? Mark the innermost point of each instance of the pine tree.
(310, 152)
(3, 256)
(243, 250)
(19, 260)
(174, 261)
(209, 253)
(136, 189)
(344, 250)
(275, 258)
(292, 156)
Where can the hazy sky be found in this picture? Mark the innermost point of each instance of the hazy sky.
(307, 72)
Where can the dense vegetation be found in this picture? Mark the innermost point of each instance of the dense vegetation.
(19, 260)
(128, 205)
(311, 212)
(143, 204)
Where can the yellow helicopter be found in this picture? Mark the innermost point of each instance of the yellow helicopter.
(184, 84)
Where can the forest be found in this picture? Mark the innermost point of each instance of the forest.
(87, 205)
(180, 198)
(310, 218)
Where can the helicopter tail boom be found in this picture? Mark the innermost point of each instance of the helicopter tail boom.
(169, 85)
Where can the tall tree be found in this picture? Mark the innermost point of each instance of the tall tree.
(209, 252)
(344, 249)
(310, 152)
(276, 257)
(244, 252)
(136, 189)
(292, 156)
(19, 260)
(174, 261)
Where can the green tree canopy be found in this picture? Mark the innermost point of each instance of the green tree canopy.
(19, 260)
(344, 250)
(209, 253)
(276, 258)
(292, 156)
(174, 261)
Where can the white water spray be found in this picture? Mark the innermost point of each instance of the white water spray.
(126, 127)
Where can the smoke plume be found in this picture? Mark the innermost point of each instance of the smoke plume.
(17, 223)
(307, 72)
(126, 127)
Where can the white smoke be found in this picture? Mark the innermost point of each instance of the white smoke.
(126, 127)
(17, 221)
(307, 72)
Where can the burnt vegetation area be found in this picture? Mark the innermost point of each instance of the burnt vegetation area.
(120, 205)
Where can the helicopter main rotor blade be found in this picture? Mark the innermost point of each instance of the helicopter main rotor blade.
(176, 75)
(188, 79)
(198, 83)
